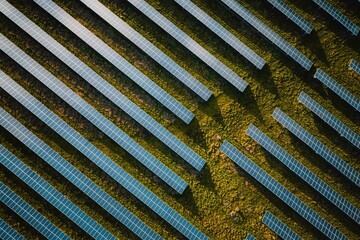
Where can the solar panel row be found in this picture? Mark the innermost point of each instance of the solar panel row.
(330, 119)
(190, 44)
(29, 214)
(281, 192)
(250, 237)
(219, 30)
(269, 33)
(103, 86)
(317, 146)
(116, 59)
(7, 232)
(292, 15)
(51, 195)
(355, 66)
(279, 227)
(338, 16)
(75, 176)
(92, 115)
(337, 88)
(304, 173)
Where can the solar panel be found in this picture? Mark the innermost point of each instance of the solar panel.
(330, 119)
(353, 28)
(117, 60)
(29, 214)
(281, 192)
(337, 88)
(279, 227)
(355, 66)
(76, 177)
(224, 34)
(190, 44)
(250, 237)
(93, 116)
(269, 34)
(103, 86)
(317, 146)
(149, 48)
(7, 232)
(51, 195)
(292, 15)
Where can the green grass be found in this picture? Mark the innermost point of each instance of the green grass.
(221, 190)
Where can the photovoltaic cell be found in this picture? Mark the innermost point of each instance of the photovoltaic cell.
(29, 214)
(224, 34)
(355, 66)
(117, 60)
(281, 192)
(292, 15)
(269, 34)
(7, 232)
(103, 86)
(353, 28)
(330, 119)
(190, 44)
(51, 195)
(92, 115)
(317, 146)
(75, 176)
(304, 173)
(279, 227)
(337, 88)
(250, 237)
(149, 48)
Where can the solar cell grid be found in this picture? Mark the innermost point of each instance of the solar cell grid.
(281, 192)
(51, 195)
(269, 33)
(330, 119)
(304, 173)
(103, 86)
(190, 44)
(117, 60)
(29, 214)
(317, 146)
(222, 33)
(279, 227)
(355, 66)
(337, 88)
(250, 237)
(7, 232)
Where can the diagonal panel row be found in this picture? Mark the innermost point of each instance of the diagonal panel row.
(279, 227)
(281, 192)
(250, 237)
(103, 86)
(269, 33)
(29, 214)
(317, 146)
(190, 44)
(117, 60)
(355, 66)
(51, 195)
(7, 232)
(219, 30)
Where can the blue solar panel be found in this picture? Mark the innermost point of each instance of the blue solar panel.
(317, 146)
(149, 48)
(269, 34)
(355, 66)
(51, 195)
(250, 237)
(76, 177)
(7, 232)
(117, 60)
(292, 15)
(330, 119)
(281, 192)
(29, 214)
(337, 88)
(304, 173)
(104, 87)
(353, 28)
(219, 30)
(93, 116)
(190, 44)
(279, 227)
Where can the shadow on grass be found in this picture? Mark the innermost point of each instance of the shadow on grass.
(212, 109)
(344, 107)
(265, 78)
(313, 43)
(204, 177)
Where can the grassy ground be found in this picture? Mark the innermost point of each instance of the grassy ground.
(222, 200)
